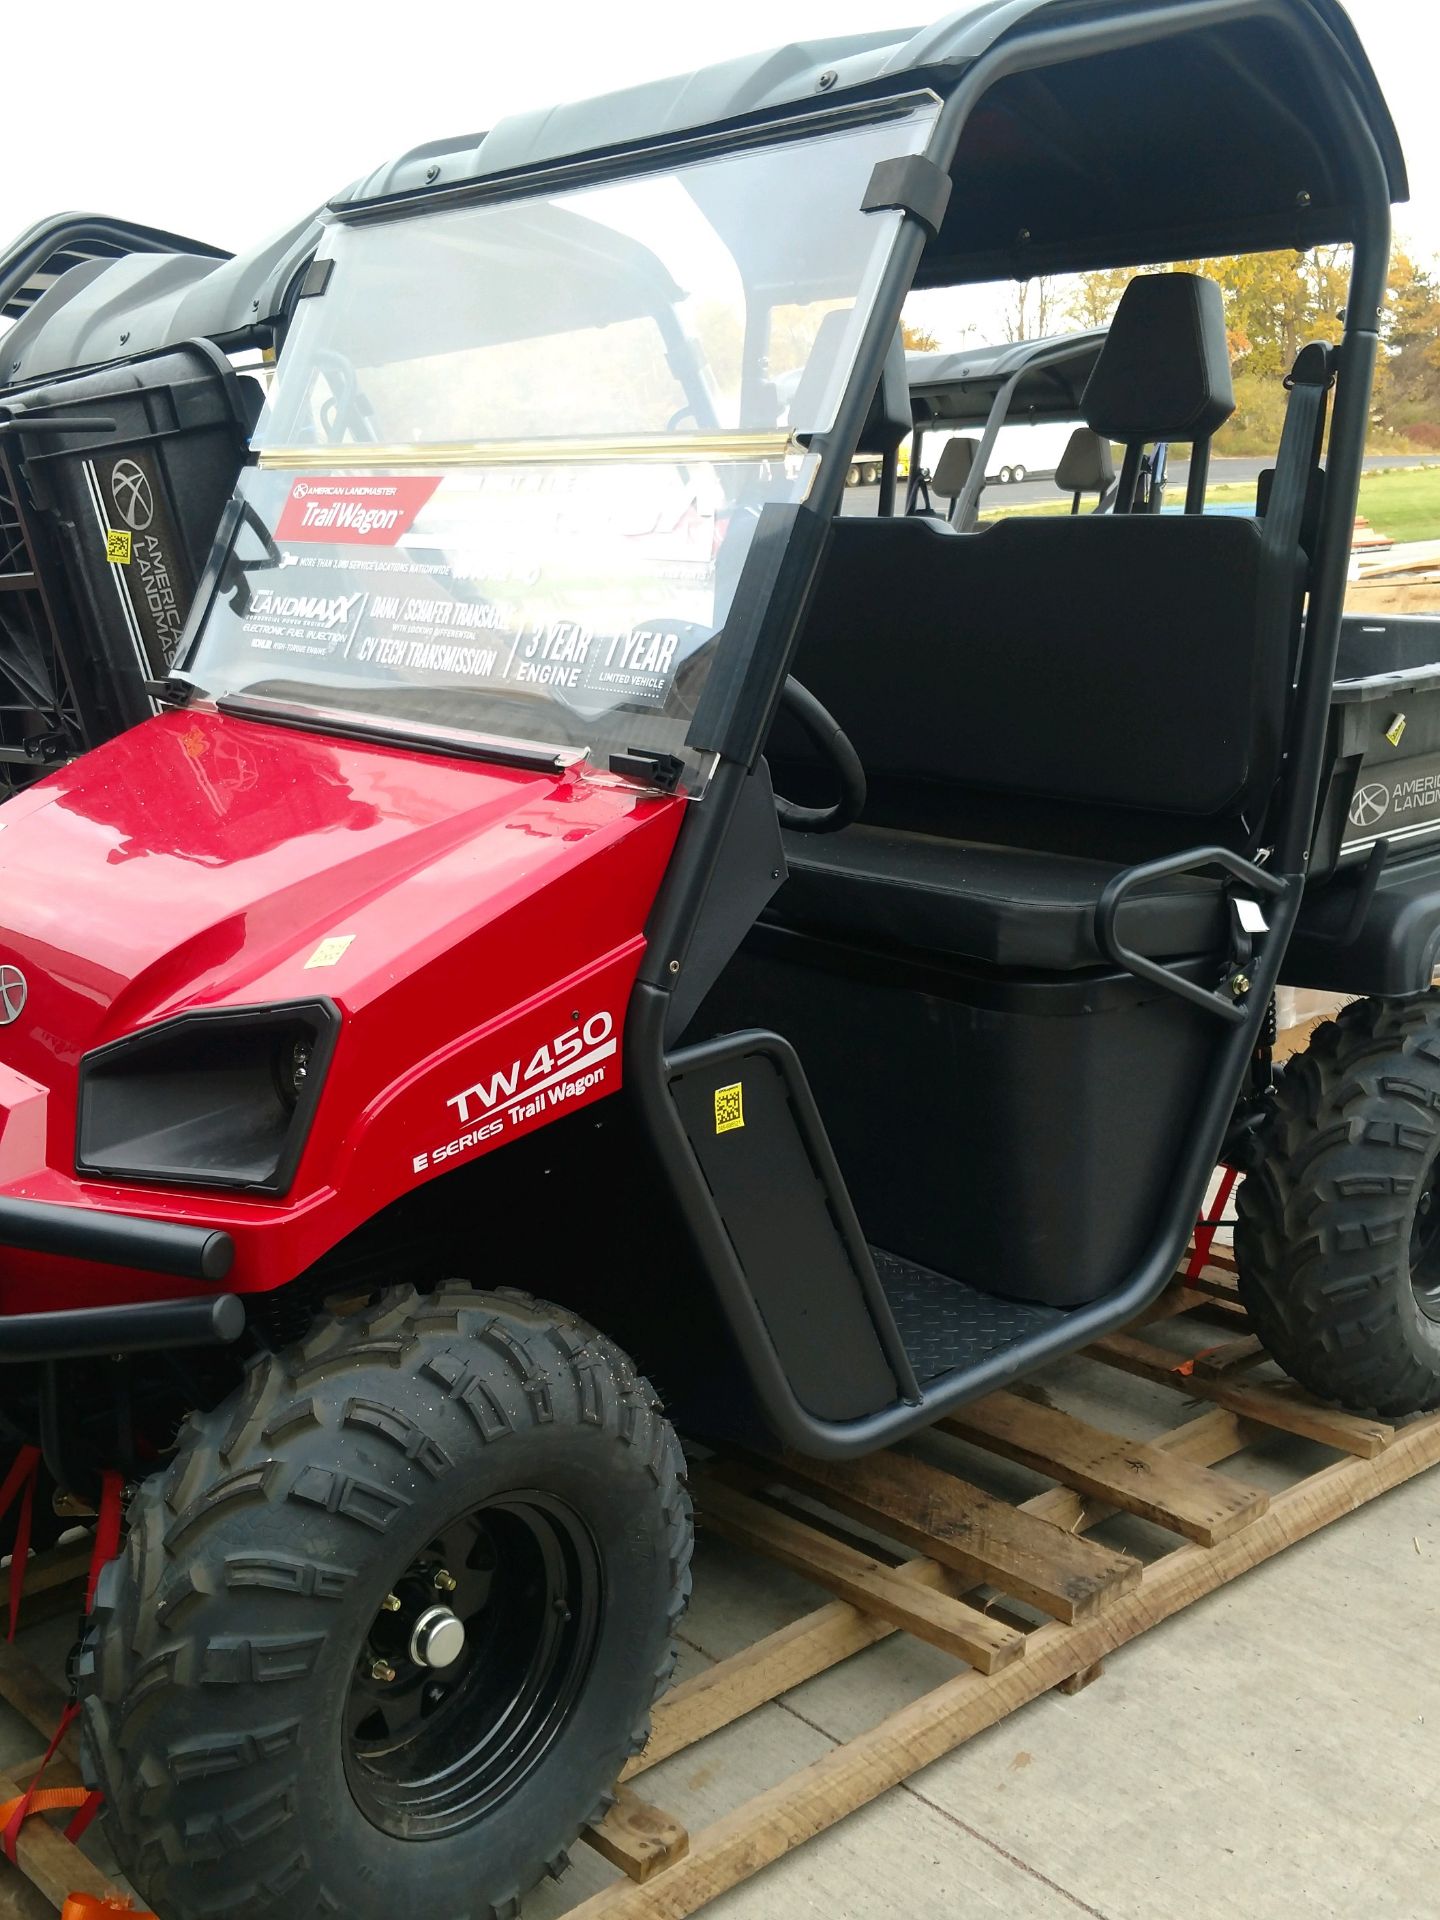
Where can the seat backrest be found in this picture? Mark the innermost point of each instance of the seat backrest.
(1086, 466)
(953, 468)
(1109, 685)
(1163, 373)
(1093, 685)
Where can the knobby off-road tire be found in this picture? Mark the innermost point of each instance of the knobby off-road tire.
(1338, 1238)
(230, 1702)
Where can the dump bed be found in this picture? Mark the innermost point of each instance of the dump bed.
(1384, 746)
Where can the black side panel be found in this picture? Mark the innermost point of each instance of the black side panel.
(1018, 1133)
(1390, 947)
(124, 520)
(746, 1133)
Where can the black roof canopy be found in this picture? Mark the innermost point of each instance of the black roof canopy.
(1203, 141)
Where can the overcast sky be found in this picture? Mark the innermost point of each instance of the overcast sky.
(229, 125)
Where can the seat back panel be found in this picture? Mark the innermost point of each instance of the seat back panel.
(1109, 665)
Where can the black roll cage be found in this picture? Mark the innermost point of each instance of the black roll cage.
(735, 715)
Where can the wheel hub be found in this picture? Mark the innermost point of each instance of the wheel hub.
(438, 1639)
(471, 1666)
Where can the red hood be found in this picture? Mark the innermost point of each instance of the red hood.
(197, 856)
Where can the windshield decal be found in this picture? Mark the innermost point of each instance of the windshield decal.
(372, 512)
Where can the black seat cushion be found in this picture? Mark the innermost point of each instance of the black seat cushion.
(1005, 905)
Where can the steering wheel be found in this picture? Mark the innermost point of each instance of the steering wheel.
(828, 737)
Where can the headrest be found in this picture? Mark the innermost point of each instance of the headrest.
(1086, 465)
(889, 419)
(1164, 371)
(953, 468)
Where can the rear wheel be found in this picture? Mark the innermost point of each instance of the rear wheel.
(1017, 474)
(387, 1630)
(1338, 1239)
(1006, 476)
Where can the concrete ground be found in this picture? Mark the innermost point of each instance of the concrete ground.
(1272, 1751)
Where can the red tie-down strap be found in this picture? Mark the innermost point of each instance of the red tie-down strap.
(19, 1485)
(15, 1813)
(1206, 1230)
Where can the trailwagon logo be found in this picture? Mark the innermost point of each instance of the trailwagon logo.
(561, 1071)
(369, 512)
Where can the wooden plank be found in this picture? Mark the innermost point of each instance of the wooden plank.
(771, 1666)
(793, 1654)
(1232, 1356)
(637, 1838)
(1193, 1501)
(857, 1772)
(53, 1863)
(986, 1539)
(854, 1576)
(34, 1697)
(1087, 1676)
(1282, 1404)
(56, 1568)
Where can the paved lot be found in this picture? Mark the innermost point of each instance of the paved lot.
(1271, 1752)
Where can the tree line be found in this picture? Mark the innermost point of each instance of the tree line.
(1274, 304)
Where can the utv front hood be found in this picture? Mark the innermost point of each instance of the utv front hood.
(205, 860)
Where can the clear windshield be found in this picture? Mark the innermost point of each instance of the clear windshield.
(516, 450)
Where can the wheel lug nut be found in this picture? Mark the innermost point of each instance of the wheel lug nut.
(382, 1670)
(445, 1581)
(391, 1603)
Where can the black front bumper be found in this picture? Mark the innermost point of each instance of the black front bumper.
(119, 1240)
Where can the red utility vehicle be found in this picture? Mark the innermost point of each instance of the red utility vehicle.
(420, 987)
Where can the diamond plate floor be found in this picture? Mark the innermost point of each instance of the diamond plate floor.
(946, 1324)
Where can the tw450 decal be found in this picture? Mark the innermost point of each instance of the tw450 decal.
(566, 1068)
(559, 1059)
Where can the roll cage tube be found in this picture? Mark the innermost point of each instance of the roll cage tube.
(698, 851)
(969, 499)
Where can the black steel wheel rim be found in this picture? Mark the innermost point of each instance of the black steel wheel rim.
(1425, 1244)
(430, 1751)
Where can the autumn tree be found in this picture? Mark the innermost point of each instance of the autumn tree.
(918, 339)
(1092, 298)
(1033, 310)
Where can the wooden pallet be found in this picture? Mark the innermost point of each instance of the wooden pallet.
(1013, 1589)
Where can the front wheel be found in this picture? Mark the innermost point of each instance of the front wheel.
(388, 1628)
(1337, 1244)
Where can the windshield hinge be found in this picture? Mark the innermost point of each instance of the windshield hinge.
(661, 770)
(317, 279)
(913, 184)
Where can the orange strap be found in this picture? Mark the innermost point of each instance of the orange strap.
(45, 1800)
(37, 1799)
(84, 1906)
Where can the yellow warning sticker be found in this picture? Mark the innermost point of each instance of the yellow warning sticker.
(117, 547)
(330, 951)
(1395, 729)
(729, 1108)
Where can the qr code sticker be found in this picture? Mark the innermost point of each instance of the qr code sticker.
(117, 547)
(729, 1108)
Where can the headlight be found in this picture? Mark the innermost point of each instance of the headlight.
(223, 1099)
